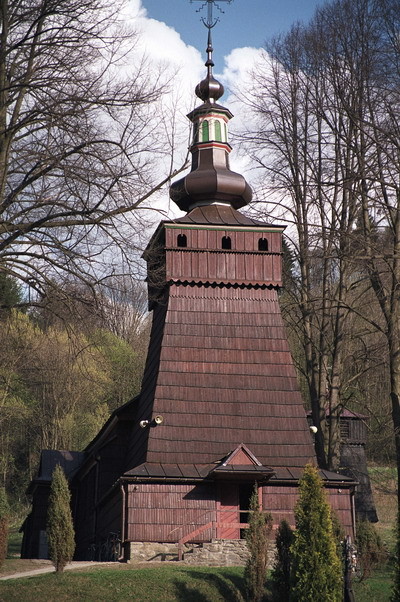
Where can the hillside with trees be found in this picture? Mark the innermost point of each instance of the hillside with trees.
(63, 370)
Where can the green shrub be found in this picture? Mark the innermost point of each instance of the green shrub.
(281, 572)
(60, 530)
(370, 549)
(316, 571)
(257, 535)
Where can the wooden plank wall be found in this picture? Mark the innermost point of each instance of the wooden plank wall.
(109, 515)
(340, 501)
(167, 512)
(357, 431)
(204, 259)
(281, 500)
(36, 522)
(84, 514)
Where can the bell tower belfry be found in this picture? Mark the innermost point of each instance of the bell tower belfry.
(219, 370)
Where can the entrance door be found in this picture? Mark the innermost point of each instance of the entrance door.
(228, 512)
(233, 509)
(245, 493)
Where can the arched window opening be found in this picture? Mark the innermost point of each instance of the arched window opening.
(218, 136)
(205, 131)
(182, 240)
(226, 133)
(263, 244)
(226, 242)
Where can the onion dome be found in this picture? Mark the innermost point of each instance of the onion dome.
(209, 89)
(210, 179)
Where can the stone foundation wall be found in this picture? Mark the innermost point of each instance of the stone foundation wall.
(152, 551)
(218, 552)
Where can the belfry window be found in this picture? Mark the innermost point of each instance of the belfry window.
(182, 240)
(205, 131)
(226, 242)
(262, 244)
(218, 136)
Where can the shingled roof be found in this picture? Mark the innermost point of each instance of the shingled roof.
(222, 375)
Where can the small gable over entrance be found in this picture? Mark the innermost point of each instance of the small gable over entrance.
(242, 464)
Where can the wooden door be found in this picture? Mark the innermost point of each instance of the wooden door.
(228, 512)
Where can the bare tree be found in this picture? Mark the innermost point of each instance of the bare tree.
(79, 123)
(298, 151)
(326, 104)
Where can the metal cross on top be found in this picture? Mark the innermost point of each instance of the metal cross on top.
(211, 21)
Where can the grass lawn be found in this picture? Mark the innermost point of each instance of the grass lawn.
(375, 589)
(166, 583)
(155, 584)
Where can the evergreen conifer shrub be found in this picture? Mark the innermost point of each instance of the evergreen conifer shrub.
(4, 518)
(281, 571)
(316, 572)
(257, 535)
(60, 529)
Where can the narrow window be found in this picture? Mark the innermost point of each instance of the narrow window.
(344, 426)
(226, 132)
(204, 131)
(263, 244)
(218, 136)
(196, 132)
(182, 240)
(226, 242)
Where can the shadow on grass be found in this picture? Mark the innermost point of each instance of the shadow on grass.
(230, 587)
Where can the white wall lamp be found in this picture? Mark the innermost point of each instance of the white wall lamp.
(157, 420)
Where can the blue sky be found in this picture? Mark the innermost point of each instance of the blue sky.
(244, 22)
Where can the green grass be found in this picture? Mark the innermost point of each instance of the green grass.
(155, 584)
(14, 544)
(166, 583)
(375, 589)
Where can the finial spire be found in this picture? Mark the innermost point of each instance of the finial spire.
(210, 22)
(210, 90)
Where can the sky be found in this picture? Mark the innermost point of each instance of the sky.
(245, 23)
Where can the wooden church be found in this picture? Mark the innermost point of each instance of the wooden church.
(220, 408)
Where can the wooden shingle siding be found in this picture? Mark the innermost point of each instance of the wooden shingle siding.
(280, 501)
(340, 502)
(166, 513)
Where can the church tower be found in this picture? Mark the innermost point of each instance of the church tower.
(219, 372)
(220, 407)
